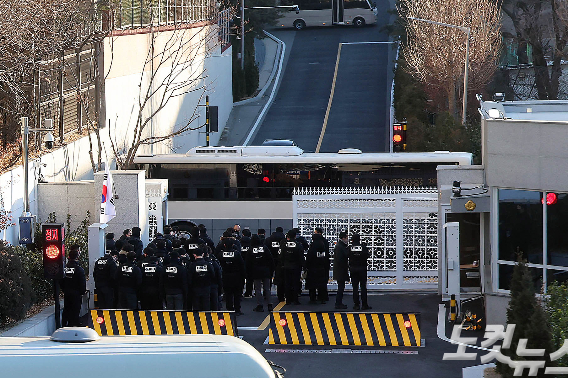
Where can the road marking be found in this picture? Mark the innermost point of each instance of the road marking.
(266, 321)
(330, 99)
(342, 350)
(272, 93)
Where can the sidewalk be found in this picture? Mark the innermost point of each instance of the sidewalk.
(245, 113)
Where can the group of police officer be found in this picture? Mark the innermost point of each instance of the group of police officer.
(180, 271)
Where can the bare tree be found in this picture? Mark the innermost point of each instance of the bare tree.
(175, 69)
(33, 32)
(542, 25)
(435, 54)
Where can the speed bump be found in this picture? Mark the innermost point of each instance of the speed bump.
(122, 322)
(344, 328)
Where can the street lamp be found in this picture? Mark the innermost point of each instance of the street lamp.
(466, 30)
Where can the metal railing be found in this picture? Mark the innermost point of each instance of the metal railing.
(130, 14)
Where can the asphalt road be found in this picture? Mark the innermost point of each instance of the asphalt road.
(384, 362)
(359, 112)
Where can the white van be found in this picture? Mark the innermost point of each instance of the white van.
(79, 352)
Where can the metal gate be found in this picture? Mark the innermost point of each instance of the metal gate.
(398, 224)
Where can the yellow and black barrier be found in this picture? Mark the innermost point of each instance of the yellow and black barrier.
(123, 322)
(344, 328)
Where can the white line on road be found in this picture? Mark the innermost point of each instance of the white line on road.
(274, 86)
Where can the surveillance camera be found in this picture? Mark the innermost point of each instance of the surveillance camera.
(48, 139)
(456, 188)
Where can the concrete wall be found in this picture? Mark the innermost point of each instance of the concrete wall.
(72, 162)
(63, 198)
(131, 209)
(230, 210)
(525, 154)
(496, 308)
(182, 79)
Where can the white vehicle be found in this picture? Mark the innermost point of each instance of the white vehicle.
(328, 12)
(80, 352)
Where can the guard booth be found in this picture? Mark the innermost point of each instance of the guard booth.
(464, 205)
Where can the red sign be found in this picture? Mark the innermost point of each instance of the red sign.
(51, 234)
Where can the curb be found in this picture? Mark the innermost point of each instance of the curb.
(280, 64)
(272, 74)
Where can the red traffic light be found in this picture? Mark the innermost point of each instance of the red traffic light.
(397, 138)
(551, 199)
(52, 251)
(266, 179)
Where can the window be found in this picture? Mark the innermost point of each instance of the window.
(356, 4)
(520, 225)
(522, 217)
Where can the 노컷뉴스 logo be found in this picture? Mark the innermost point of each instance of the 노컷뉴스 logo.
(494, 333)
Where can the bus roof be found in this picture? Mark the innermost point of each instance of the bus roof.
(140, 356)
(295, 155)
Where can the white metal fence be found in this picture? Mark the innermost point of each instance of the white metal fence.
(398, 224)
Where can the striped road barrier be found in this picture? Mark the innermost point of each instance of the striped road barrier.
(123, 322)
(344, 328)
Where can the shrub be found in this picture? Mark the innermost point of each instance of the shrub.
(16, 294)
(557, 311)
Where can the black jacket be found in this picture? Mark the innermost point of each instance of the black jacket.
(272, 243)
(175, 278)
(74, 281)
(233, 266)
(259, 262)
(129, 277)
(152, 276)
(358, 255)
(317, 262)
(201, 276)
(104, 272)
(340, 261)
(291, 255)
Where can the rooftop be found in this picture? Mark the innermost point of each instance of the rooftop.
(536, 110)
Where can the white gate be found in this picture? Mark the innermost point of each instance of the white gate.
(398, 224)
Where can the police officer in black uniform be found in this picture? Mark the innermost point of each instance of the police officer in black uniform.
(217, 284)
(104, 273)
(175, 283)
(292, 260)
(260, 266)
(272, 243)
(317, 265)
(201, 276)
(152, 274)
(358, 255)
(194, 242)
(234, 272)
(245, 248)
(74, 286)
(129, 280)
(136, 242)
(203, 235)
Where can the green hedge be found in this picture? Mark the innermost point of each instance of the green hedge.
(16, 294)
